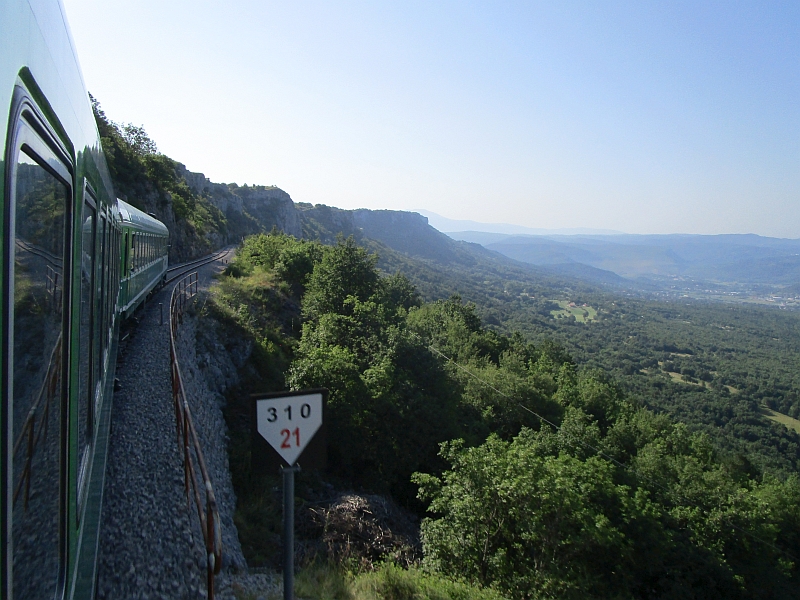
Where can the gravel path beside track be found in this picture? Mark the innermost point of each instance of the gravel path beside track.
(150, 540)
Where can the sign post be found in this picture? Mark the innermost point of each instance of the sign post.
(288, 531)
(288, 421)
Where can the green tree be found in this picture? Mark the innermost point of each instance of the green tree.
(346, 270)
(531, 523)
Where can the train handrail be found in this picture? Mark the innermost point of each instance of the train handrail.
(184, 291)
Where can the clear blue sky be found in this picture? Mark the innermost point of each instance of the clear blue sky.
(645, 117)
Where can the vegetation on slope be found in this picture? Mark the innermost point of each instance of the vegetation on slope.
(727, 362)
(612, 500)
(388, 582)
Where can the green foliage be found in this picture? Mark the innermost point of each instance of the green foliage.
(540, 517)
(392, 583)
(345, 271)
(291, 259)
(390, 403)
(529, 522)
(254, 318)
(138, 140)
(321, 582)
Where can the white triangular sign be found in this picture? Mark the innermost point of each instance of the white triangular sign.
(289, 423)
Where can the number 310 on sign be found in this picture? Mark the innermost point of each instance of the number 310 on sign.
(288, 423)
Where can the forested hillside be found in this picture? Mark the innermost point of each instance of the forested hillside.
(540, 476)
(713, 366)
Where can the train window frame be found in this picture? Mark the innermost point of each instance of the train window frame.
(103, 316)
(30, 133)
(88, 198)
(126, 255)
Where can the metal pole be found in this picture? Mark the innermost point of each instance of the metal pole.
(288, 532)
(210, 566)
(161, 310)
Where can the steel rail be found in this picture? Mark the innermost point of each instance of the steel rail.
(185, 267)
(188, 441)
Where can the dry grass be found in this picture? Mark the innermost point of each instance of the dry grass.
(786, 420)
(582, 314)
(361, 531)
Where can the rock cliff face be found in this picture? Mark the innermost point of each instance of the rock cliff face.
(256, 209)
(186, 242)
(406, 232)
(248, 210)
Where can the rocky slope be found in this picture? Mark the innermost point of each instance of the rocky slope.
(258, 209)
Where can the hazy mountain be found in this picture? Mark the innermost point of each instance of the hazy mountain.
(456, 225)
(740, 258)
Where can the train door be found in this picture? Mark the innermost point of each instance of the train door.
(36, 296)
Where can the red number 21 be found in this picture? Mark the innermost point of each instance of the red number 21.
(287, 435)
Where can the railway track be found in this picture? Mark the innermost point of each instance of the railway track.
(150, 542)
(178, 271)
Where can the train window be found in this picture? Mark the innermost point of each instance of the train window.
(85, 387)
(102, 289)
(98, 339)
(114, 275)
(125, 254)
(109, 295)
(38, 233)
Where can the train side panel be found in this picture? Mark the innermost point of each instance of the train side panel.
(61, 266)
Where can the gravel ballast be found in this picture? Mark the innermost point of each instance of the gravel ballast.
(151, 545)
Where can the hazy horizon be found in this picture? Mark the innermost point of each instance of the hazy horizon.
(446, 225)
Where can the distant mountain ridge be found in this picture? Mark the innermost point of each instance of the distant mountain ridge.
(735, 258)
(259, 209)
(446, 225)
(616, 260)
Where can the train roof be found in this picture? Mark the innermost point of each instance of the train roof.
(140, 220)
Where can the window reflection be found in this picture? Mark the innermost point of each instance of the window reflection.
(85, 426)
(38, 266)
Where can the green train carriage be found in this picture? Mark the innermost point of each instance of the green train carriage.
(145, 243)
(67, 246)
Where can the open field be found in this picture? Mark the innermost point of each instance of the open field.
(582, 314)
(678, 378)
(786, 420)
